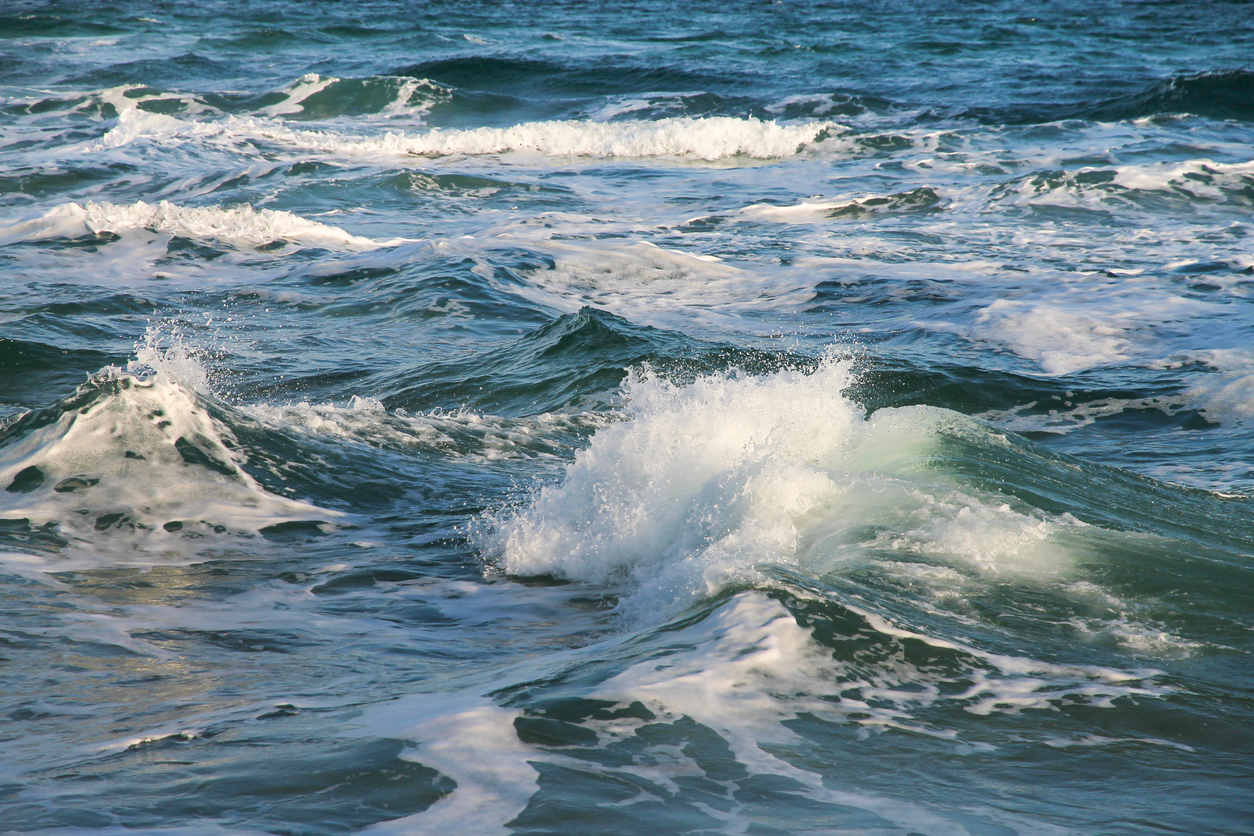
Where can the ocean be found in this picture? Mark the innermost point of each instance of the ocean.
(628, 418)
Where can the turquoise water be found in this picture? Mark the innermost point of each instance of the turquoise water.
(805, 418)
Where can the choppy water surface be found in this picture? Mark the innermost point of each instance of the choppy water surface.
(456, 418)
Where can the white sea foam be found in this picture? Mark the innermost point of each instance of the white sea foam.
(239, 226)
(705, 481)
(1137, 637)
(1061, 341)
(1063, 416)
(741, 672)
(710, 138)
(807, 211)
(133, 125)
(138, 465)
(1195, 182)
(865, 206)
(752, 661)
(1224, 396)
(751, 665)
(1204, 179)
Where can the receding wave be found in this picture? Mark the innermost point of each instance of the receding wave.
(923, 199)
(1177, 185)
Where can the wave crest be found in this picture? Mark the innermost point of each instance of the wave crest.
(705, 482)
(710, 138)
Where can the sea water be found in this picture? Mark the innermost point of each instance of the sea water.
(627, 418)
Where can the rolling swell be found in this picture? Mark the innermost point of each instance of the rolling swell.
(574, 363)
(496, 87)
(1213, 94)
(1217, 94)
(528, 76)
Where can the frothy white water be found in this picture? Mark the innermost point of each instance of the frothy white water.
(1203, 179)
(704, 482)
(751, 663)
(860, 208)
(1061, 341)
(239, 226)
(710, 138)
(137, 465)
(1227, 395)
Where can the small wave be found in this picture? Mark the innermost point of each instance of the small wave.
(528, 76)
(572, 364)
(137, 454)
(656, 285)
(1222, 94)
(662, 105)
(753, 652)
(461, 434)
(724, 699)
(1061, 341)
(1063, 416)
(1226, 395)
(239, 226)
(1185, 186)
(710, 139)
(51, 25)
(859, 108)
(324, 97)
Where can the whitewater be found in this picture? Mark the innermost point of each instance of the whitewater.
(554, 419)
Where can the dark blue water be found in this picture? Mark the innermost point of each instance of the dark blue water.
(795, 418)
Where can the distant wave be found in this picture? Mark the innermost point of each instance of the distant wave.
(526, 75)
(710, 139)
(239, 226)
(1220, 95)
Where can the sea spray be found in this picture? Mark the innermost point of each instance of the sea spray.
(705, 481)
